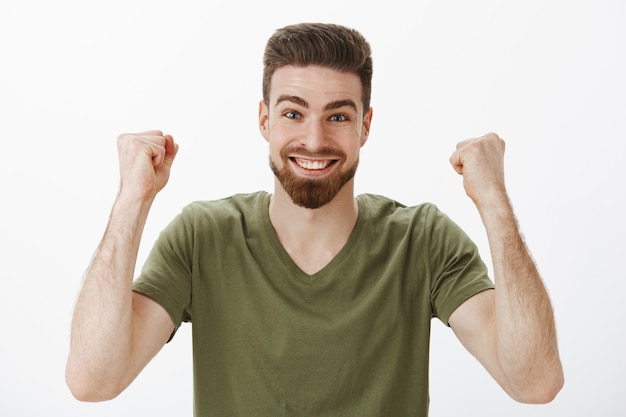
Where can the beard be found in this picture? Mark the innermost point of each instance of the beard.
(308, 192)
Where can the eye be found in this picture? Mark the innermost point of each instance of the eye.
(338, 118)
(292, 115)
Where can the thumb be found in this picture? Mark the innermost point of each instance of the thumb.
(171, 149)
(456, 162)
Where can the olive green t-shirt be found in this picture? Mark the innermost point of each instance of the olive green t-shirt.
(349, 340)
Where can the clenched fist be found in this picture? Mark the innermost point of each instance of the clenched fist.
(481, 163)
(145, 160)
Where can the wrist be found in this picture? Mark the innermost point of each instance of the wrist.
(130, 209)
(495, 209)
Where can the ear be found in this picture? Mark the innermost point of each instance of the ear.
(367, 122)
(264, 120)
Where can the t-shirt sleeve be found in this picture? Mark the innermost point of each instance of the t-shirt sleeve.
(457, 270)
(166, 274)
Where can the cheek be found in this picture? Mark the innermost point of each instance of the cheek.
(278, 138)
(355, 146)
(275, 152)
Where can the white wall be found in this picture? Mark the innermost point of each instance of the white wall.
(548, 76)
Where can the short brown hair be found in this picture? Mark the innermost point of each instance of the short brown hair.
(328, 45)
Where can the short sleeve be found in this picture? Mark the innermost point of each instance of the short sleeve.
(166, 274)
(457, 270)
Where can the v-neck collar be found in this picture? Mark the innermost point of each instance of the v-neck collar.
(269, 231)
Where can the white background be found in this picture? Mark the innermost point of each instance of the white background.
(548, 76)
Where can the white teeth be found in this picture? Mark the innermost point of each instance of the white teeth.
(308, 164)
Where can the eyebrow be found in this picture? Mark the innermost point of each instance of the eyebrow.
(330, 106)
(293, 99)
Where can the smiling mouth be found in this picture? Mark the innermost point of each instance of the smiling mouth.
(313, 164)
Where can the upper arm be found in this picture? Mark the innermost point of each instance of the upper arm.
(473, 322)
(152, 328)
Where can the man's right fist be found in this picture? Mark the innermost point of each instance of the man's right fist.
(145, 160)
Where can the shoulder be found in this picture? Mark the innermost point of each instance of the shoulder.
(423, 221)
(233, 206)
(220, 214)
(380, 207)
(387, 218)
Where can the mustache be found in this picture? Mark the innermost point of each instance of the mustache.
(324, 153)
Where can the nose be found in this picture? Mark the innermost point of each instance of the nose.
(315, 136)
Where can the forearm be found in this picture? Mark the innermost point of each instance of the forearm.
(526, 341)
(102, 327)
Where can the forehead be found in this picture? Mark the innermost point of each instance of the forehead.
(316, 85)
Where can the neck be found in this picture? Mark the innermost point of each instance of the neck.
(320, 232)
(341, 209)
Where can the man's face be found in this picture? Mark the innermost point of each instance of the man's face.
(315, 127)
